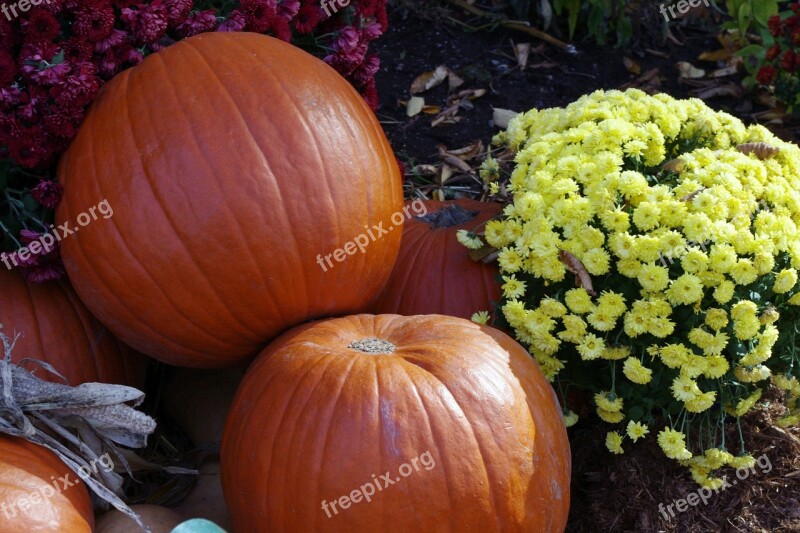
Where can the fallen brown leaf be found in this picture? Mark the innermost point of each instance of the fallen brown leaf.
(429, 80)
(761, 150)
(574, 265)
(687, 70)
(632, 66)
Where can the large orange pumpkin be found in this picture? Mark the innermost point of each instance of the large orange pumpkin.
(57, 328)
(334, 406)
(434, 273)
(39, 493)
(236, 165)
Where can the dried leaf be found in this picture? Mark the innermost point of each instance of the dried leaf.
(447, 173)
(691, 196)
(574, 265)
(717, 55)
(467, 152)
(484, 254)
(414, 106)
(454, 161)
(521, 52)
(425, 170)
(674, 165)
(687, 70)
(729, 89)
(429, 80)
(88, 419)
(632, 66)
(725, 71)
(761, 150)
(453, 80)
(500, 117)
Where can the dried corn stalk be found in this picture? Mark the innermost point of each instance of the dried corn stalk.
(78, 424)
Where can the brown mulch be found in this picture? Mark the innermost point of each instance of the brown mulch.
(623, 492)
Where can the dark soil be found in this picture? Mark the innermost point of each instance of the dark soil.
(609, 493)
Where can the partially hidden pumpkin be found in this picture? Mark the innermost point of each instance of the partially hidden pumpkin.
(450, 426)
(434, 273)
(39, 493)
(239, 170)
(55, 327)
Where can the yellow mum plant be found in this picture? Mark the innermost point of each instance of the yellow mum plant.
(649, 253)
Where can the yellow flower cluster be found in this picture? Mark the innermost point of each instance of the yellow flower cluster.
(691, 244)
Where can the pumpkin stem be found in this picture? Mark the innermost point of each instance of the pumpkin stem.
(449, 216)
(373, 346)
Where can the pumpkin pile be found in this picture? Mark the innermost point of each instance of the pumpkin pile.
(254, 160)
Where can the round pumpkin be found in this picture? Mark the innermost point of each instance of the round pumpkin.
(239, 170)
(38, 492)
(434, 273)
(57, 328)
(452, 420)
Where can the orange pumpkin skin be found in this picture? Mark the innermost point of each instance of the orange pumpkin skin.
(234, 163)
(315, 420)
(26, 470)
(57, 328)
(434, 273)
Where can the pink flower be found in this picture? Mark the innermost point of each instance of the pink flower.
(147, 23)
(63, 123)
(48, 193)
(41, 267)
(93, 24)
(197, 22)
(41, 26)
(259, 14)
(177, 11)
(115, 38)
(40, 62)
(236, 22)
(367, 70)
(288, 8)
(80, 88)
(8, 69)
(308, 17)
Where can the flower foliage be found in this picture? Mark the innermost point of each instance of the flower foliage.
(780, 61)
(650, 253)
(56, 56)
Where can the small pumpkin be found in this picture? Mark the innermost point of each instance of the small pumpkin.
(235, 165)
(434, 273)
(39, 493)
(333, 406)
(57, 328)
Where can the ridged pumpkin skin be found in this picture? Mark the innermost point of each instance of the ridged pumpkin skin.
(231, 160)
(315, 420)
(434, 273)
(58, 329)
(27, 469)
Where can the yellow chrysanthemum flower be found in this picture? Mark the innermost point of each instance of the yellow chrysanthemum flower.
(636, 430)
(481, 317)
(673, 443)
(469, 239)
(614, 442)
(635, 371)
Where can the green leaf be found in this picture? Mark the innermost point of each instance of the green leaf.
(764, 9)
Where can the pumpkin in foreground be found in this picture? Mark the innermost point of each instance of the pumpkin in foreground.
(33, 496)
(57, 328)
(421, 423)
(231, 163)
(434, 273)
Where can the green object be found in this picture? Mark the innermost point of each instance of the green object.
(198, 525)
